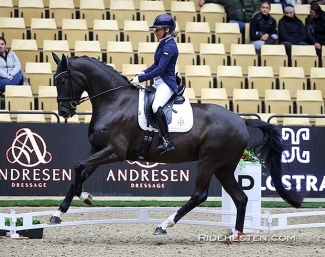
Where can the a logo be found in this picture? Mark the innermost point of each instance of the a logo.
(296, 153)
(28, 149)
(147, 165)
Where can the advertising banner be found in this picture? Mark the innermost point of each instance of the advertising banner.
(39, 160)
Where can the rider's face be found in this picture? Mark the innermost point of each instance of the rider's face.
(159, 32)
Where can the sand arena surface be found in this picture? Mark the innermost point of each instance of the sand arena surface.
(180, 240)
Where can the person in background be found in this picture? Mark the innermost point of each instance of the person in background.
(291, 30)
(315, 27)
(238, 11)
(312, 1)
(263, 27)
(284, 3)
(162, 71)
(10, 67)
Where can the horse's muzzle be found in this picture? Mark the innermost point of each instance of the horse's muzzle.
(66, 110)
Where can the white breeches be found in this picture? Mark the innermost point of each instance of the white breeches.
(163, 94)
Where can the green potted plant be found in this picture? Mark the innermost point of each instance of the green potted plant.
(30, 233)
(249, 156)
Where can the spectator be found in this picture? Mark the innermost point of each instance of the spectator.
(291, 30)
(315, 27)
(313, 1)
(263, 27)
(10, 68)
(282, 2)
(239, 11)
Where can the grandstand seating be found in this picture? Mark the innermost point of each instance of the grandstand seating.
(39, 74)
(261, 78)
(246, 101)
(149, 10)
(227, 34)
(189, 93)
(89, 48)
(212, 13)
(43, 29)
(19, 98)
(278, 101)
(57, 46)
(29, 9)
(74, 29)
(183, 12)
(105, 30)
(317, 79)
(274, 56)
(186, 56)
(243, 55)
(204, 43)
(198, 77)
(12, 28)
(119, 53)
(26, 50)
(31, 117)
(213, 55)
(296, 121)
(121, 11)
(146, 52)
(230, 77)
(292, 78)
(197, 33)
(215, 96)
(135, 32)
(61, 9)
(304, 56)
(7, 8)
(90, 10)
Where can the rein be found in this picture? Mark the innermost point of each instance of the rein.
(87, 98)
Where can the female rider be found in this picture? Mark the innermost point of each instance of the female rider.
(162, 71)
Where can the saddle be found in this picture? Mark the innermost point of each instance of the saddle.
(149, 96)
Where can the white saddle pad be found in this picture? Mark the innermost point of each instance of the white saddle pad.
(182, 121)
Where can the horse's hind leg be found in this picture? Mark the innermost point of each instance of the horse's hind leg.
(228, 181)
(200, 195)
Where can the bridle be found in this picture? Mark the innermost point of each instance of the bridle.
(72, 101)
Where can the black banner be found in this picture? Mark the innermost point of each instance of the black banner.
(39, 160)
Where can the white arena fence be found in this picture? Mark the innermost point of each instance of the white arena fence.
(268, 222)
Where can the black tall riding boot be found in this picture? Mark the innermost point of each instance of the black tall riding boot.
(164, 143)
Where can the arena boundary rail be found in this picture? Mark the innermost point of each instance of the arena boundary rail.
(269, 222)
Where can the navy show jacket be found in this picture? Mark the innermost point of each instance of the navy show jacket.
(164, 63)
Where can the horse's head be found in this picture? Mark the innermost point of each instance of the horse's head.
(69, 87)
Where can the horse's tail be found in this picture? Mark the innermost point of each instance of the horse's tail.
(270, 148)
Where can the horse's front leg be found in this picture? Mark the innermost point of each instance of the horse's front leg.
(81, 175)
(82, 171)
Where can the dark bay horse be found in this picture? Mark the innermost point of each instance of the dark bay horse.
(216, 141)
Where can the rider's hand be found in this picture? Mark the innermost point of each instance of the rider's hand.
(135, 81)
(140, 73)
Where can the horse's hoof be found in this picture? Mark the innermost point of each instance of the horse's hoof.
(89, 200)
(159, 231)
(86, 198)
(55, 220)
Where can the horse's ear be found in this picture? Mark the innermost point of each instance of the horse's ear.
(64, 62)
(56, 58)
